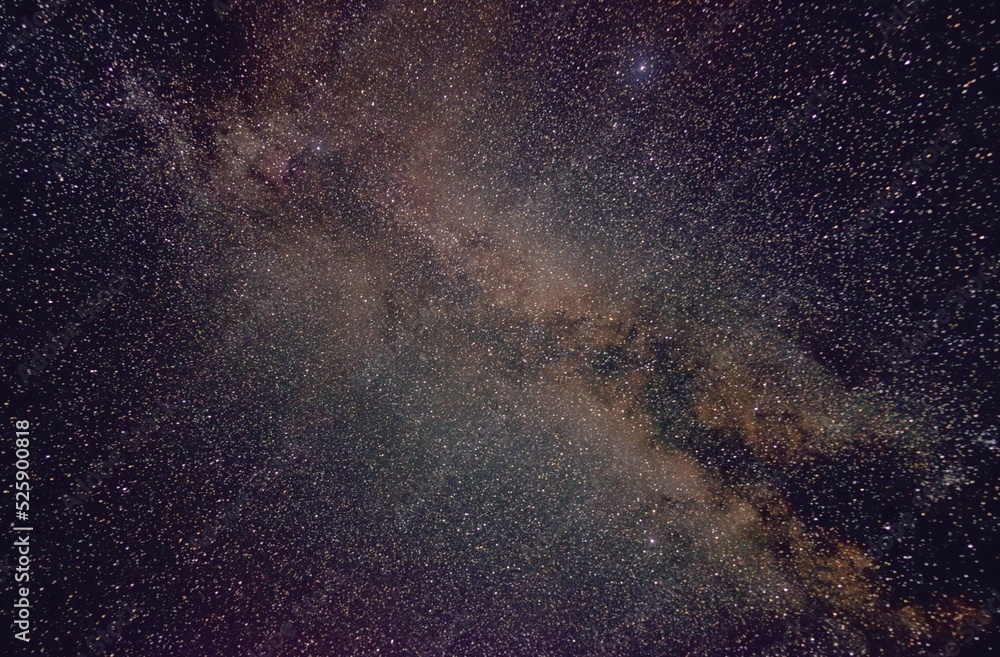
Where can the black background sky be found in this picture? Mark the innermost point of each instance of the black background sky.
(391, 264)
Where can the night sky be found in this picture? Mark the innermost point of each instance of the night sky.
(621, 328)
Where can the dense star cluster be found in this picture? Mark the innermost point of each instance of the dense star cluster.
(590, 327)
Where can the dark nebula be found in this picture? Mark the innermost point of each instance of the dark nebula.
(559, 328)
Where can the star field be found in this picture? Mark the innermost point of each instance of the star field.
(560, 328)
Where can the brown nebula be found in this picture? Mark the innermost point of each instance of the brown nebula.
(386, 133)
